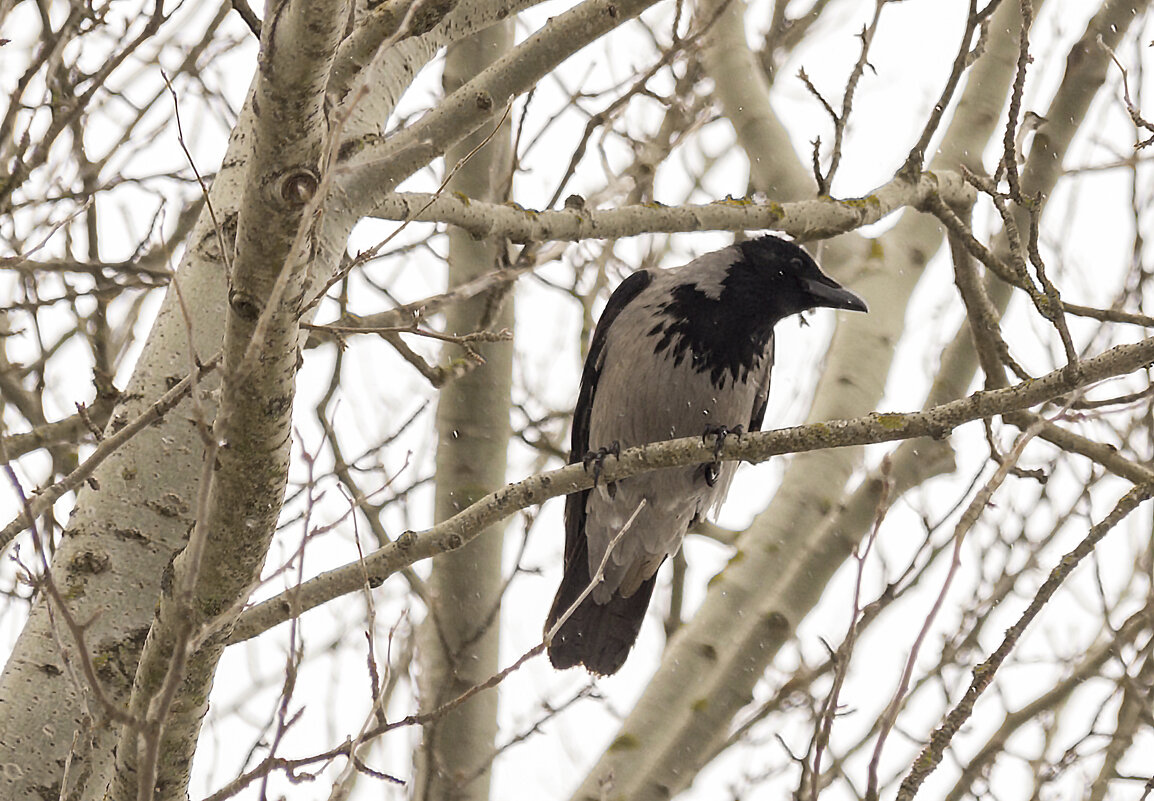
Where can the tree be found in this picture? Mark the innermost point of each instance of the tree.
(242, 562)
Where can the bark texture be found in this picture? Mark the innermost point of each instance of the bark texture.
(461, 632)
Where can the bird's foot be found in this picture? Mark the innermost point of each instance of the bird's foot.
(720, 433)
(597, 459)
(712, 470)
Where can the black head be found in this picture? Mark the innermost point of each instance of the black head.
(783, 277)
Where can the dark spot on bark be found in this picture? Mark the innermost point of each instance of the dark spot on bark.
(611, 10)
(429, 15)
(244, 305)
(777, 624)
(168, 505)
(49, 792)
(484, 101)
(167, 576)
(115, 660)
(50, 670)
(172, 380)
(136, 637)
(90, 562)
(131, 534)
(278, 405)
(297, 187)
(347, 149)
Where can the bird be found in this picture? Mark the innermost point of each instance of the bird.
(678, 352)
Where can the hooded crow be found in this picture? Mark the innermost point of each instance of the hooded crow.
(677, 353)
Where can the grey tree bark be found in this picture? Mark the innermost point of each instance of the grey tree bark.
(461, 632)
(133, 603)
(126, 533)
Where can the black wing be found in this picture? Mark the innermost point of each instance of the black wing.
(592, 636)
(630, 288)
(626, 291)
(762, 398)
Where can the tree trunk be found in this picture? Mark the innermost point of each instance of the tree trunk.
(460, 635)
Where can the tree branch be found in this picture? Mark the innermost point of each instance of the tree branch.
(984, 673)
(805, 220)
(453, 533)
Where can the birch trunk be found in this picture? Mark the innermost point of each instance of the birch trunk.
(460, 635)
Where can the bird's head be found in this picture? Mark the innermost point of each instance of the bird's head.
(786, 277)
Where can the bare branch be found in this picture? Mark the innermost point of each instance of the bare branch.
(984, 673)
(453, 533)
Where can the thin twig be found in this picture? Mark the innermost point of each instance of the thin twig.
(984, 673)
(1131, 109)
(225, 250)
(974, 19)
(840, 120)
(595, 579)
(841, 659)
(970, 517)
(504, 335)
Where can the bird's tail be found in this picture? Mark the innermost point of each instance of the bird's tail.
(598, 636)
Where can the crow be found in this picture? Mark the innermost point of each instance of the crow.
(679, 352)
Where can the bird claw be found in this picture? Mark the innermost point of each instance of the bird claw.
(712, 470)
(721, 432)
(597, 459)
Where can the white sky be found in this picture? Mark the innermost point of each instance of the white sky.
(1092, 225)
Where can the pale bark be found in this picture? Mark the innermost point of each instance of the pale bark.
(802, 219)
(461, 632)
(132, 525)
(246, 448)
(125, 534)
(216, 467)
(743, 89)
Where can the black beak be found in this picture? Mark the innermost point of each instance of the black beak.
(833, 296)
